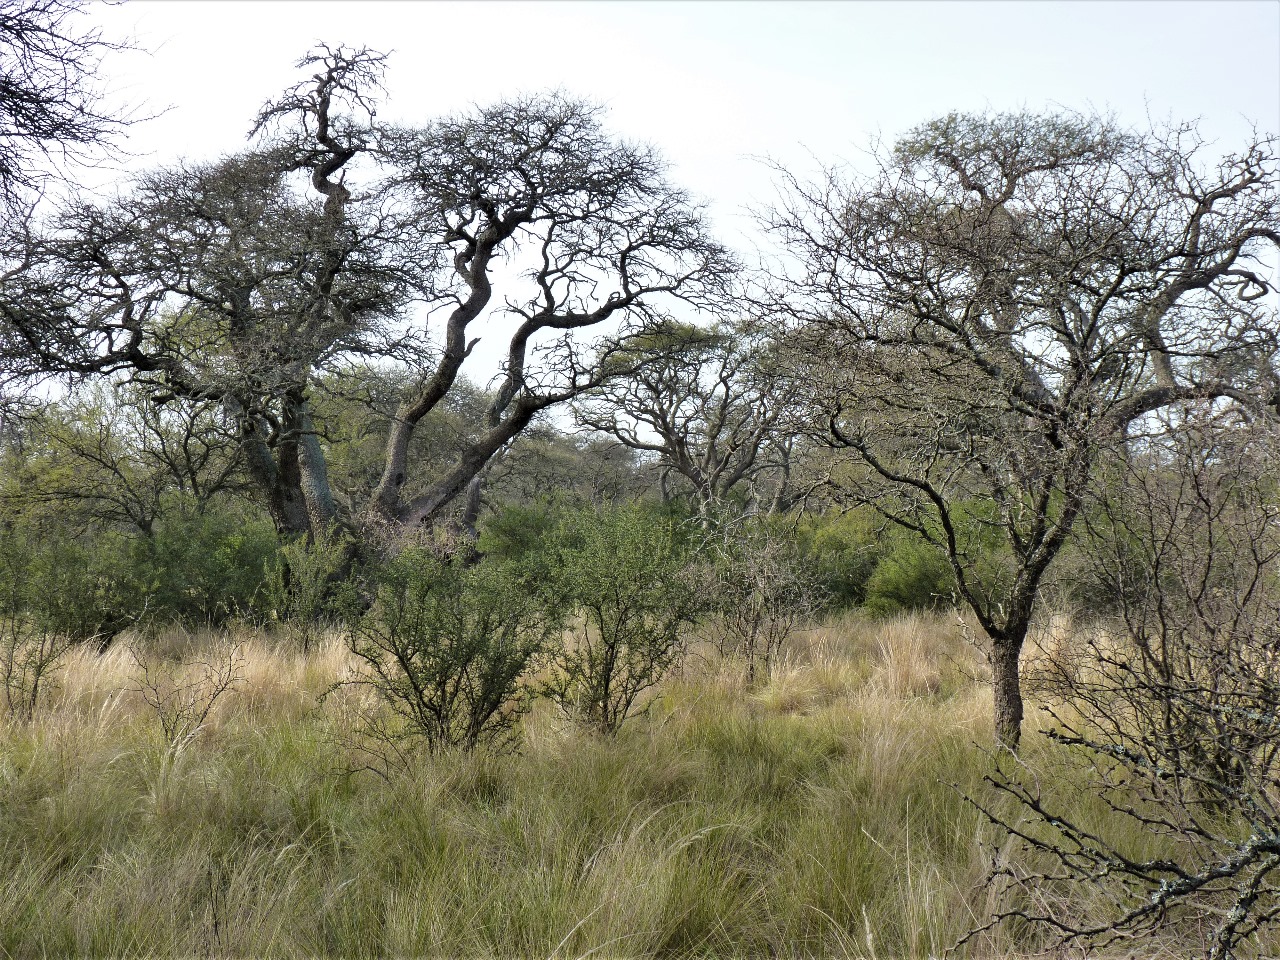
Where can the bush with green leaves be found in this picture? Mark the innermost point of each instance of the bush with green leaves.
(47, 602)
(631, 576)
(310, 586)
(89, 581)
(202, 567)
(862, 559)
(78, 587)
(910, 576)
(522, 534)
(446, 646)
(841, 549)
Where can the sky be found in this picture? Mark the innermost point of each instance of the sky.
(716, 86)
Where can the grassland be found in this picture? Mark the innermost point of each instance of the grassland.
(811, 816)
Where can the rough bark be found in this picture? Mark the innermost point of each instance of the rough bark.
(1007, 685)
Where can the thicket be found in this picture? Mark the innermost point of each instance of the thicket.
(91, 580)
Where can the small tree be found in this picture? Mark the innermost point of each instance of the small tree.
(629, 574)
(308, 585)
(1178, 710)
(762, 592)
(29, 653)
(709, 407)
(446, 647)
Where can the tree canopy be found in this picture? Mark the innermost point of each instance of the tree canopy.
(992, 311)
(335, 239)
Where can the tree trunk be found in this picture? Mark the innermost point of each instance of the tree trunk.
(423, 510)
(475, 500)
(1005, 675)
(279, 483)
(313, 475)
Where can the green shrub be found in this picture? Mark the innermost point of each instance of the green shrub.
(310, 585)
(841, 551)
(90, 583)
(79, 588)
(860, 559)
(29, 656)
(49, 599)
(446, 647)
(203, 567)
(521, 535)
(912, 576)
(630, 575)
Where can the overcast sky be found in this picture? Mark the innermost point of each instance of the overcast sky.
(715, 85)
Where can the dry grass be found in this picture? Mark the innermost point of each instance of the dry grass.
(811, 815)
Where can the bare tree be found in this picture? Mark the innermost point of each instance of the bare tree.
(989, 312)
(51, 112)
(50, 95)
(255, 281)
(183, 695)
(707, 404)
(606, 239)
(1176, 706)
(763, 590)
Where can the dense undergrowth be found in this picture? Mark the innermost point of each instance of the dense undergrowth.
(818, 813)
